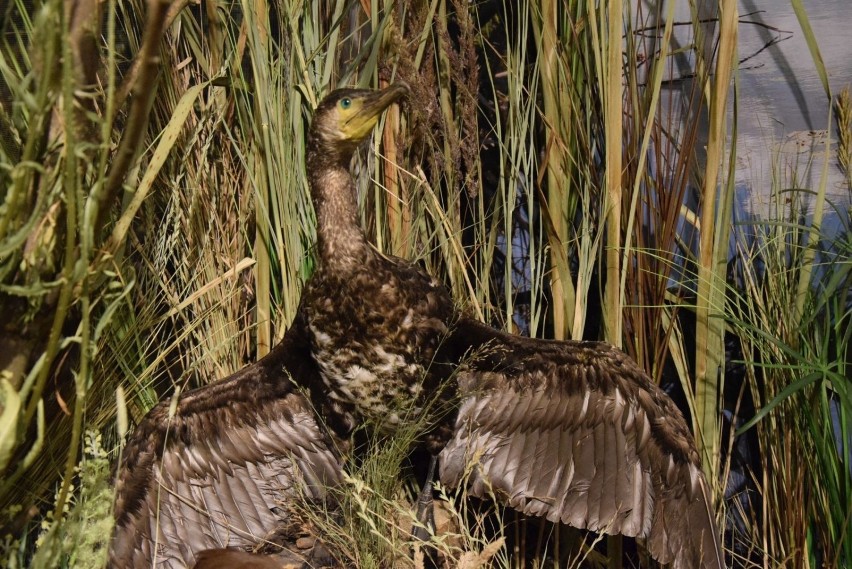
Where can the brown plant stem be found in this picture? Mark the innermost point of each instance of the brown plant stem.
(84, 21)
(143, 91)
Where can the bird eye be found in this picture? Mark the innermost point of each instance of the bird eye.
(345, 103)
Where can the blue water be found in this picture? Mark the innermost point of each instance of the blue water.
(783, 107)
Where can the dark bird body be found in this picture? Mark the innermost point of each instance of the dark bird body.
(572, 431)
(375, 322)
(375, 362)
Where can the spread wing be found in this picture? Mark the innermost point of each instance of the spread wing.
(220, 472)
(577, 433)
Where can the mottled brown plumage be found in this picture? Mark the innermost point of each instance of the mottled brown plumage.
(572, 431)
(375, 322)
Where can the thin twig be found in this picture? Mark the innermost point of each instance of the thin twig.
(84, 17)
(132, 75)
(143, 97)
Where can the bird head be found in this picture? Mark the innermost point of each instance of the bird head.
(346, 117)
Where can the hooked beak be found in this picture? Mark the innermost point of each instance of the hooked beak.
(381, 100)
(372, 107)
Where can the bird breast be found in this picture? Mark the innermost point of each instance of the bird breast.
(373, 335)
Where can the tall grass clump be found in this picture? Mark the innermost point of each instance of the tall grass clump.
(60, 281)
(791, 311)
(125, 248)
(797, 370)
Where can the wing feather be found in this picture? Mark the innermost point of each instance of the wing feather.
(178, 521)
(216, 474)
(235, 514)
(563, 483)
(576, 432)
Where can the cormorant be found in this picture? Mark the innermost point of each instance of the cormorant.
(572, 431)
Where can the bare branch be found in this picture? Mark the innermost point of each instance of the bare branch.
(143, 91)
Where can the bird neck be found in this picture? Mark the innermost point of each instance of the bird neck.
(340, 239)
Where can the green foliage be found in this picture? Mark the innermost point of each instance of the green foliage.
(80, 536)
(797, 370)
